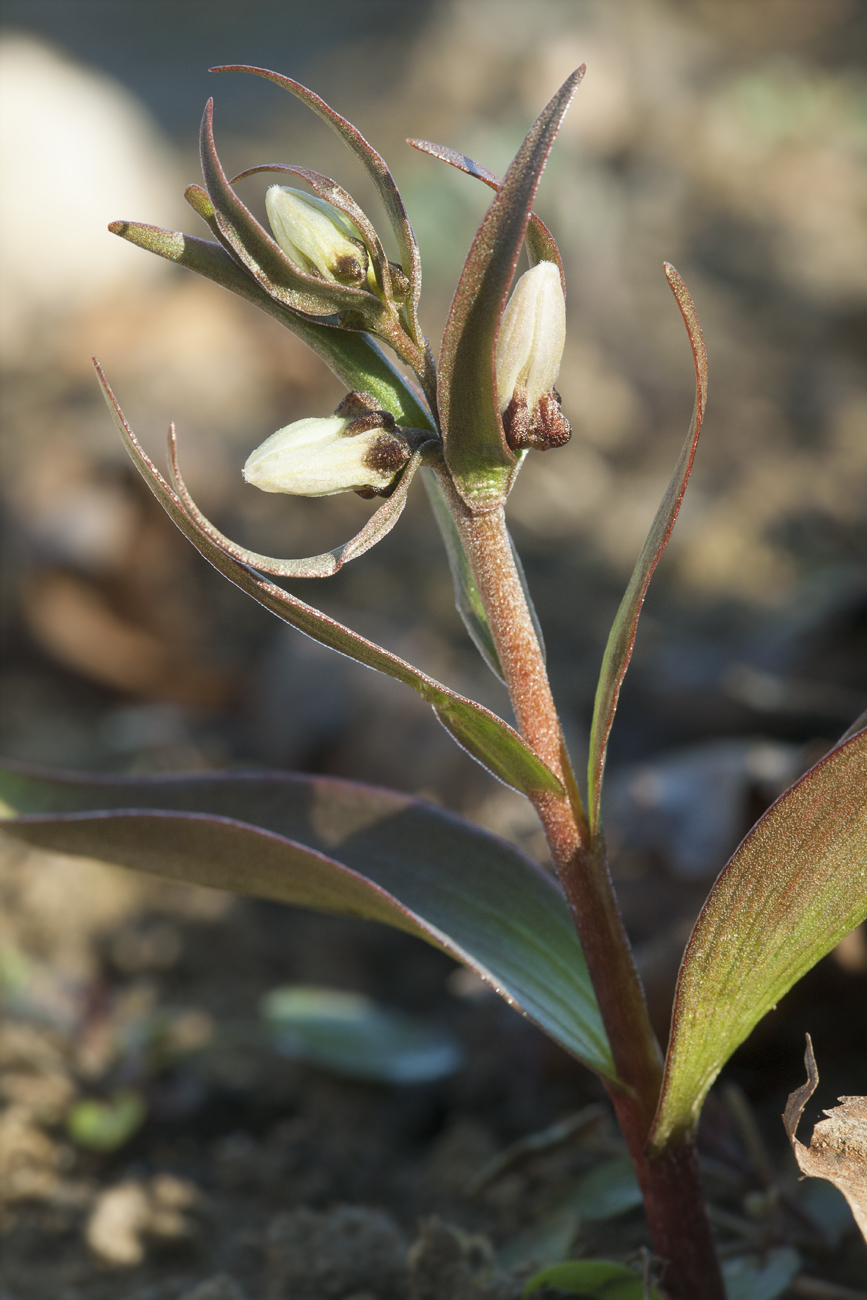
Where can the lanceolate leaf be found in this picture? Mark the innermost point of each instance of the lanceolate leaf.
(621, 639)
(795, 887)
(481, 733)
(342, 847)
(354, 357)
(541, 245)
(376, 169)
(475, 444)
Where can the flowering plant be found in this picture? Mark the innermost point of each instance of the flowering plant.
(557, 951)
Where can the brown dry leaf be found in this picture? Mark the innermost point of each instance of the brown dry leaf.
(838, 1147)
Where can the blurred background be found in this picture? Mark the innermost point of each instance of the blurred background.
(726, 136)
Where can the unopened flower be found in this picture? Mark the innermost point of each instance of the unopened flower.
(529, 351)
(316, 236)
(358, 449)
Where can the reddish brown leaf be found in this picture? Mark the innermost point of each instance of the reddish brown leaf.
(621, 639)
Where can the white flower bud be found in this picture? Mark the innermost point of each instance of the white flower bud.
(316, 236)
(529, 351)
(321, 457)
(532, 334)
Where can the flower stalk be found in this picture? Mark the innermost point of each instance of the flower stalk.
(670, 1183)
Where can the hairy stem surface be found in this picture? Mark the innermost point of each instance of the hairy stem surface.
(673, 1196)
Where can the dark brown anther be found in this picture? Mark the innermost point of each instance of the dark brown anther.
(539, 430)
(516, 422)
(370, 420)
(350, 269)
(389, 453)
(364, 414)
(355, 403)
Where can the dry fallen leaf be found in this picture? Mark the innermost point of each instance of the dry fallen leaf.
(838, 1147)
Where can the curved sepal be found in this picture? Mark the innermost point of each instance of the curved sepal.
(484, 736)
(481, 462)
(379, 525)
(795, 887)
(376, 170)
(540, 243)
(354, 357)
(261, 255)
(621, 639)
(343, 847)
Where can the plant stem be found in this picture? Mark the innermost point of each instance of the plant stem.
(673, 1196)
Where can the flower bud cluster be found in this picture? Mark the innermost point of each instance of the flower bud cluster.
(529, 351)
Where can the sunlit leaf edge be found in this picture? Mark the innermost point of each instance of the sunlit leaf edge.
(712, 1016)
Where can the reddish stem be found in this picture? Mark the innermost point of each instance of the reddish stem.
(670, 1184)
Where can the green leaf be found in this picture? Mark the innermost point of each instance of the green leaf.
(348, 1034)
(377, 171)
(337, 846)
(353, 356)
(794, 888)
(475, 445)
(749, 1279)
(541, 245)
(106, 1125)
(545, 1242)
(605, 1192)
(592, 1277)
(484, 736)
(621, 639)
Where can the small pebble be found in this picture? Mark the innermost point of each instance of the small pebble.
(117, 1223)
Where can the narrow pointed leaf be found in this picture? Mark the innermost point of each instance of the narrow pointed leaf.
(541, 244)
(377, 171)
(480, 460)
(621, 639)
(263, 257)
(794, 888)
(481, 733)
(354, 357)
(337, 846)
(379, 525)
